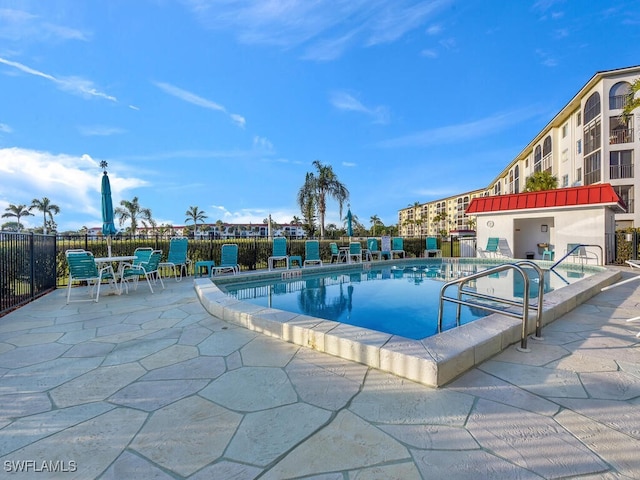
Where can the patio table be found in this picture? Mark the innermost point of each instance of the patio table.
(121, 260)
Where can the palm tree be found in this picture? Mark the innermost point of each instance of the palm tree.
(195, 215)
(375, 221)
(47, 208)
(540, 181)
(307, 203)
(318, 187)
(17, 211)
(633, 102)
(131, 210)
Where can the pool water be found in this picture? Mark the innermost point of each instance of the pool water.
(400, 300)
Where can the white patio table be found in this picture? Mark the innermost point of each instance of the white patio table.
(120, 260)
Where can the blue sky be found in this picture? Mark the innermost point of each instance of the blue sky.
(225, 104)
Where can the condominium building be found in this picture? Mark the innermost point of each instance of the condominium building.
(586, 143)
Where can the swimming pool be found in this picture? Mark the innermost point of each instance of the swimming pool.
(397, 299)
(434, 360)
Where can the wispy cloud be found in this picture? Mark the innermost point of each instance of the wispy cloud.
(323, 29)
(199, 101)
(17, 25)
(99, 131)
(546, 58)
(461, 132)
(75, 85)
(349, 164)
(4, 128)
(347, 102)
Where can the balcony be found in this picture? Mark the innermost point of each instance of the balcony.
(621, 136)
(620, 171)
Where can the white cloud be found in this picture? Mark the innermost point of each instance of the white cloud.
(17, 25)
(349, 164)
(75, 85)
(347, 102)
(248, 215)
(199, 101)
(99, 131)
(4, 128)
(323, 28)
(71, 182)
(429, 53)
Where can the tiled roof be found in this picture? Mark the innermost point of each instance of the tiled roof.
(601, 194)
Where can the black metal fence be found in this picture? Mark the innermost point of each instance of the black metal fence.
(27, 268)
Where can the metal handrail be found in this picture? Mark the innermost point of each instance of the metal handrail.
(524, 304)
(570, 252)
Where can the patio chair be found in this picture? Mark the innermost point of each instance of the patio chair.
(385, 249)
(279, 252)
(372, 246)
(432, 248)
(228, 259)
(177, 257)
(83, 268)
(397, 247)
(578, 253)
(312, 253)
(335, 252)
(493, 248)
(355, 252)
(142, 254)
(148, 270)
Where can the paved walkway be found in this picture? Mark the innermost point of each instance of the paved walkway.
(145, 386)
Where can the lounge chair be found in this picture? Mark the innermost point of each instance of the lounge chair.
(372, 246)
(335, 252)
(385, 248)
(312, 253)
(397, 247)
(228, 259)
(495, 248)
(148, 270)
(177, 257)
(83, 268)
(279, 252)
(355, 252)
(432, 248)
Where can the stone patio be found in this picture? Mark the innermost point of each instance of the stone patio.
(151, 386)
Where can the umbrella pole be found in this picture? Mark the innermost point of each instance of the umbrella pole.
(108, 245)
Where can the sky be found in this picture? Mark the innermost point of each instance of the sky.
(225, 104)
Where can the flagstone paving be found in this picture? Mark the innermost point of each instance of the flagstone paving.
(151, 386)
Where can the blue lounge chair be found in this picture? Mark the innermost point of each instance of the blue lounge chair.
(83, 268)
(312, 252)
(228, 259)
(432, 248)
(374, 251)
(142, 254)
(279, 252)
(355, 252)
(492, 249)
(177, 258)
(397, 247)
(148, 270)
(335, 252)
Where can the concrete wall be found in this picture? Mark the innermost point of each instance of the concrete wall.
(521, 231)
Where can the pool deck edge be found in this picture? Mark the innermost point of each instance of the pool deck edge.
(433, 361)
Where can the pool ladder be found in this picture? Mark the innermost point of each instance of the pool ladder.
(523, 310)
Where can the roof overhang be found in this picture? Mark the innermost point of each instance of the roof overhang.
(602, 195)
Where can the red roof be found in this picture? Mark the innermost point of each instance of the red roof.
(601, 194)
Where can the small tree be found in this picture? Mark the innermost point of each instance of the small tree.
(17, 211)
(195, 215)
(540, 181)
(48, 209)
(633, 102)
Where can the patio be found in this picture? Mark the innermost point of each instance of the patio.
(152, 386)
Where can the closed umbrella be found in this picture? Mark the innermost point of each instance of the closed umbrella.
(108, 227)
(349, 223)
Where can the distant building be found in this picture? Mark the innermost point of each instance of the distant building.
(586, 143)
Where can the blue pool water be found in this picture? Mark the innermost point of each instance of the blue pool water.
(400, 300)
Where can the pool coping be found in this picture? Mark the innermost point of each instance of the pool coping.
(432, 361)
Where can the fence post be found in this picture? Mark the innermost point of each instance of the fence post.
(32, 267)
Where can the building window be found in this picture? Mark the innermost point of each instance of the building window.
(579, 146)
(592, 107)
(565, 155)
(592, 137)
(579, 119)
(578, 175)
(592, 172)
(546, 154)
(620, 131)
(619, 95)
(621, 164)
(497, 189)
(516, 179)
(625, 192)
(537, 159)
(565, 181)
(565, 130)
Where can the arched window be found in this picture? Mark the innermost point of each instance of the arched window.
(537, 159)
(546, 154)
(619, 94)
(592, 107)
(516, 179)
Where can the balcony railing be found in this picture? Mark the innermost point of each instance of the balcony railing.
(620, 171)
(621, 136)
(592, 177)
